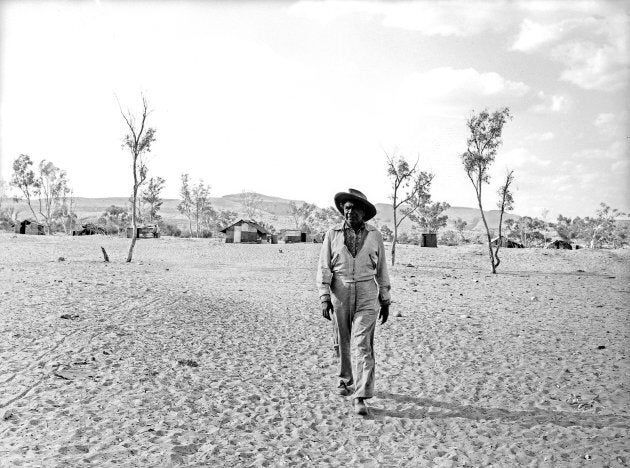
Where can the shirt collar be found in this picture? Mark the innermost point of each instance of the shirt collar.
(346, 225)
(342, 226)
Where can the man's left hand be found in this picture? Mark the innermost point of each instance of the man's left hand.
(384, 313)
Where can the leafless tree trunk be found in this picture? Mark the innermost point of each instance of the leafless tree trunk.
(139, 142)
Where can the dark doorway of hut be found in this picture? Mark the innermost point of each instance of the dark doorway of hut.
(428, 240)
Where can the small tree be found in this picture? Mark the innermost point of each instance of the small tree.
(431, 218)
(603, 229)
(24, 179)
(209, 219)
(482, 144)
(226, 217)
(52, 186)
(401, 175)
(201, 202)
(185, 205)
(138, 141)
(386, 232)
(301, 214)
(114, 217)
(3, 193)
(425, 214)
(151, 197)
(506, 203)
(251, 203)
(460, 225)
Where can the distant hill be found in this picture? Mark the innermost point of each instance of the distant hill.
(470, 215)
(275, 211)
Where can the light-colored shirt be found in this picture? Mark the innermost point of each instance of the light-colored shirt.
(337, 262)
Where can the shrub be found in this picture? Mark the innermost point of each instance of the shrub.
(449, 238)
(167, 229)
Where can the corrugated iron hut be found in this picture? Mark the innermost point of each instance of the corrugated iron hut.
(507, 243)
(293, 235)
(148, 231)
(29, 227)
(559, 244)
(428, 240)
(245, 232)
(89, 229)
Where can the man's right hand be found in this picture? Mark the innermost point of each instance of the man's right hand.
(327, 308)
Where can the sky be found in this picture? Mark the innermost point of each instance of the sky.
(303, 99)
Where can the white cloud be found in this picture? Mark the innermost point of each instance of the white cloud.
(616, 151)
(553, 103)
(611, 125)
(592, 45)
(546, 136)
(522, 157)
(621, 165)
(533, 35)
(448, 18)
(453, 18)
(447, 83)
(604, 120)
(593, 66)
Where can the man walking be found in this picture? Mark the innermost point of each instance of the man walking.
(354, 285)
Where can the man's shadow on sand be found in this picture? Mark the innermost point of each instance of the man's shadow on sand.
(529, 418)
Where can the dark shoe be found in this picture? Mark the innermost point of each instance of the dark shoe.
(343, 389)
(359, 406)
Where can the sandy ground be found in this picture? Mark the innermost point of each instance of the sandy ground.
(200, 353)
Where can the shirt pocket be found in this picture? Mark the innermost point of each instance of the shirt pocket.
(373, 259)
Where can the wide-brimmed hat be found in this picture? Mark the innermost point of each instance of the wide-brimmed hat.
(355, 196)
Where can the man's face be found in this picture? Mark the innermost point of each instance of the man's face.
(353, 213)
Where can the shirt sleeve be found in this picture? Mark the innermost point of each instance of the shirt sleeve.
(324, 272)
(382, 275)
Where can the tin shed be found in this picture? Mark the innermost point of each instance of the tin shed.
(29, 227)
(245, 232)
(428, 240)
(292, 236)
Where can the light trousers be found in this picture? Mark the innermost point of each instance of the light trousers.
(356, 310)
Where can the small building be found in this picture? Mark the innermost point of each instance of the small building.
(507, 243)
(292, 236)
(559, 244)
(148, 231)
(246, 232)
(428, 240)
(89, 229)
(29, 227)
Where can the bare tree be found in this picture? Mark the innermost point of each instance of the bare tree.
(483, 142)
(185, 205)
(138, 141)
(24, 179)
(401, 175)
(251, 202)
(506, 203)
